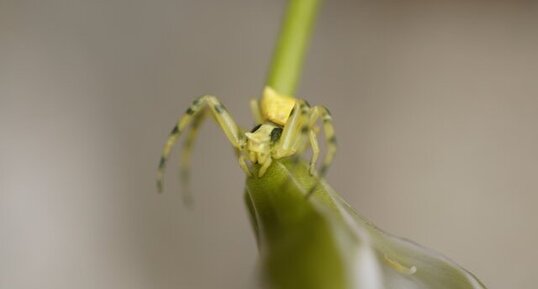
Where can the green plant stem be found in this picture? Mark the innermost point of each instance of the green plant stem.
(292, 44)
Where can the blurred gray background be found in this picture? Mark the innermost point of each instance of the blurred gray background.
(435, 105)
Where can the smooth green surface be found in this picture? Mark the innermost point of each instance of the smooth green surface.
(321, 243)
(293, 236)
(289, 53)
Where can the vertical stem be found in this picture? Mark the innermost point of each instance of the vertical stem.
(292, 43)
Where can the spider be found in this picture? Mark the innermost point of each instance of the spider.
(285, 127)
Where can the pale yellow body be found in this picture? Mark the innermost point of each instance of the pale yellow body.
(286, 126)
(276, 107)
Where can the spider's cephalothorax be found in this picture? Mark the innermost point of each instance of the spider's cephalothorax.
(286, 126)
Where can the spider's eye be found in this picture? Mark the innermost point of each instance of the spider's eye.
(254, 129)
(275, 134)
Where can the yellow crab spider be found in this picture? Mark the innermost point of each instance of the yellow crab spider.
(285, 127)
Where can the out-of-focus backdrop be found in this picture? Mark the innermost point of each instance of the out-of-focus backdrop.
(435, 105)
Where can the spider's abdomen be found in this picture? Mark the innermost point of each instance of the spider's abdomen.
(276, 107)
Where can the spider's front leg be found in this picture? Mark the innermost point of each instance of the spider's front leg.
(295, 132)
(195, 115)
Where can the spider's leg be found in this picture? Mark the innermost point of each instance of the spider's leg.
(220, 114)
(226, 122)
(181, 124)
(328, 128)
(315, 151)
(185, 161)
(256, 112)
(295, 132)
(230, 128)
(330, 137)
(264, 167)
(243, 164)
(295, 136)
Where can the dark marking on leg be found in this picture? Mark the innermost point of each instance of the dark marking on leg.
(162, 163)
(190, 111)
(196, 101)
(332, 140)
(304, 129)
(175, 130)
(219, 108)
(307, 103)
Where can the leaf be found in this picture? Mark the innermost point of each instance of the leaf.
(322, 243)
